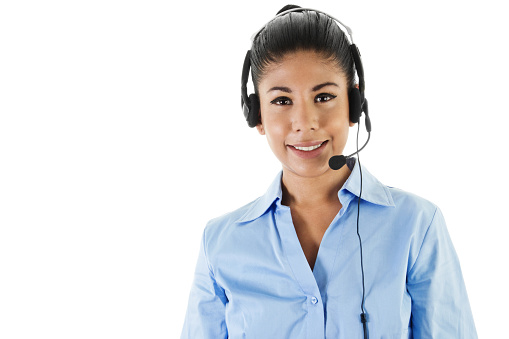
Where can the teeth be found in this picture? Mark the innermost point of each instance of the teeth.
(308, 148)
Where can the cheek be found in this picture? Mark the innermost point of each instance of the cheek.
(338, 126)
(275, 132)
(275, 123)
(337, 119)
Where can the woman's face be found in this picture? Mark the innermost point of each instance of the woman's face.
(304, 103)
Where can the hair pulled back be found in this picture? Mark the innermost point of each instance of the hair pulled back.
(304, 30)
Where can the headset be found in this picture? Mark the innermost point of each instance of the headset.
(357, 101)
(358, 104)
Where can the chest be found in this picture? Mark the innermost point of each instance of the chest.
(310, 226)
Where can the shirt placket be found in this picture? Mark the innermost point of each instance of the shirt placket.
(313, 283)
(302, 272)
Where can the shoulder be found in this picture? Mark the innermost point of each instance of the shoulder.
(410, 201)
(408, 212)
(412, 212)
(413, 222)
(222, 227)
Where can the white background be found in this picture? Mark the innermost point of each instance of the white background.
(121, 134)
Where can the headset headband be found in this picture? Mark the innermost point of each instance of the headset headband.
(348, 30)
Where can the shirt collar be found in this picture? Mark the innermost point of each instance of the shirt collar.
(373, 191)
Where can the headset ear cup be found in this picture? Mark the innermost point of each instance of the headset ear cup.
(354, 102)
(254, 109)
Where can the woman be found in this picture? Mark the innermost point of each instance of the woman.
(324, 253)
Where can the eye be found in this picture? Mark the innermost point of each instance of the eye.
(324, 97)
(281, 101)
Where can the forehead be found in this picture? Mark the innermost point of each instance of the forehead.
(302, 68)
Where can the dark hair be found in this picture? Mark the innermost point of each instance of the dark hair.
(301, 30)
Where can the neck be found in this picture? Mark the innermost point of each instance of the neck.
(313, 191)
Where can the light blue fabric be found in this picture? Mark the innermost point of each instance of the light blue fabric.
(252, 278)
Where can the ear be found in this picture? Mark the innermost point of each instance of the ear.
(259, 127)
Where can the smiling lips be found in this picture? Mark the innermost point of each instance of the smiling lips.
(308, 146)
(308, 150)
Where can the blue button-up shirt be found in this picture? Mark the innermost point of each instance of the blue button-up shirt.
(252, 279)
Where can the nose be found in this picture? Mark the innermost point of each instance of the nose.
(304, 117)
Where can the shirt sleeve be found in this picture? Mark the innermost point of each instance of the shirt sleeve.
(440, 306)
(205, 316)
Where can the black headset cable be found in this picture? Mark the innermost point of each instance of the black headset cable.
(363, 314)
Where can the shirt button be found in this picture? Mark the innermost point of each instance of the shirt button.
(314, 300)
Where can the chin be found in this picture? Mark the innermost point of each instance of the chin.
(309, 171)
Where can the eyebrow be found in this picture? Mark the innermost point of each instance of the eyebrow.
(314, 89)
